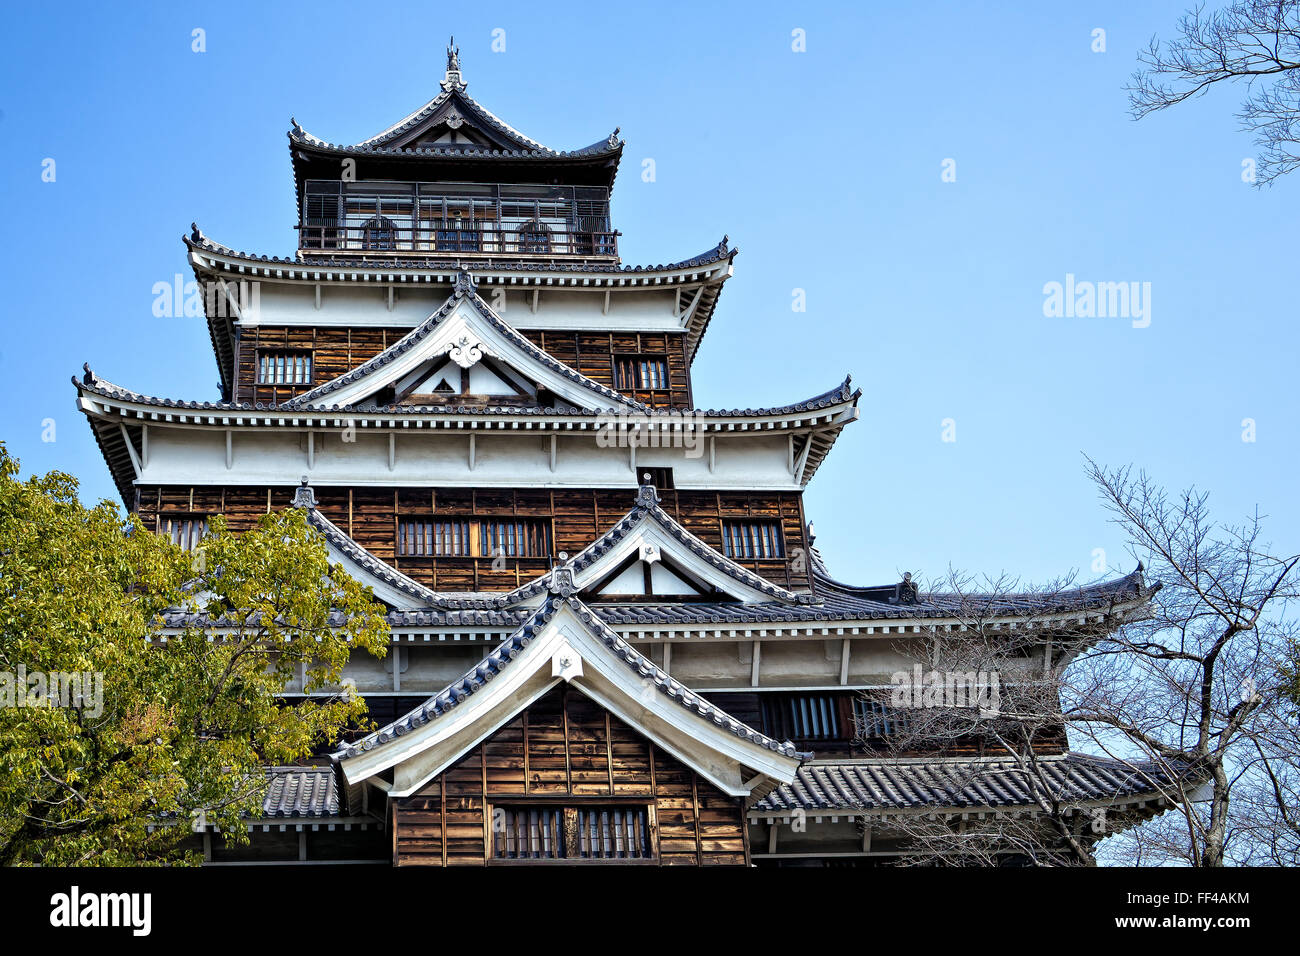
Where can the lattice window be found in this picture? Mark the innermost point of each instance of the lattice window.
(515, 538)
(184, 530)
(429, 538)
(571, 833)
(474, 538)
(745, 539)
(641, 371)
(809, 716)
(877, 720)
(283, 368)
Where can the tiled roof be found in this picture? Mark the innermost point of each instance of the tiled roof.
(512, 647)
(101, 386)
(719, 253)
(886, 785)
(522, 146)
(300, 792)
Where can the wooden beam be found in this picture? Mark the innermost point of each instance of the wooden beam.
(311, 449)
(844, 661)
(552, 452)
(144, 446)
(392, 450)
(471, 451)
(802, 463)
(754, 664)
(130, 448)
(230, 455)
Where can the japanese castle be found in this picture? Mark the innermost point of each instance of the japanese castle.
(613, 637)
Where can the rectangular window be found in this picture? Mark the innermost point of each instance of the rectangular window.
(661, 478)
(641, 371)
(514, 538)
(448, 538)
(877, 720)
(571, 833)
(184, 530)
(474, 538)
(804, 717)
(283, 368)
(745, 539)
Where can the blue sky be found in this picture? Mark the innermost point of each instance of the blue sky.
(824, 167)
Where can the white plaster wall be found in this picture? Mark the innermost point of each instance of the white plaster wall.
(284, 303)
(184, 455)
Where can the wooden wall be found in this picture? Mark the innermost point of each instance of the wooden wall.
(335, 351)
(566, 746)
(578, 517)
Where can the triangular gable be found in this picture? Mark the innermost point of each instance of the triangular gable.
(450, 119)
(563, 640)
(453, 115)
(464, 329)
(648, 533)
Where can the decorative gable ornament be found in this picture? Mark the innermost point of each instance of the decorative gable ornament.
(566, 663)
(453, 119)
(650, 553)
(465, 351)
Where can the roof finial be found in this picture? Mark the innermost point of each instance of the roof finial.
(453, 64)
(646, 495)
(303, 496)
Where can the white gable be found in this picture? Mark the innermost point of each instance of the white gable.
(566, 649)
(465, 336)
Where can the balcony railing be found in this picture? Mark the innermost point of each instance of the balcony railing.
(460, 239)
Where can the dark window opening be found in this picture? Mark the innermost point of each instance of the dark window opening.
(571, 833)
(641, 371)
(744, 540)
(283, 368)
(534, 237)
(379, 233)
(183, 530)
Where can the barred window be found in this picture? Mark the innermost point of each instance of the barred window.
(804, 716)
(473, 538)
(284, 368)
(640, 371)
(184, 530)
(571, 833)
(515, 538)
(428, 538)
(876, 719)
(752, 539)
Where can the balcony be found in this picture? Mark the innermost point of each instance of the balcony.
(457, 220)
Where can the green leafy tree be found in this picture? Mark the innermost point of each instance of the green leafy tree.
(182, 729)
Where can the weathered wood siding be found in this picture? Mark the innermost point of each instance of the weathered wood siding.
(566, 746)
(577, 517)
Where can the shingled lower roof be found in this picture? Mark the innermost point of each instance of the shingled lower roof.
(882, 786)
(300, 792)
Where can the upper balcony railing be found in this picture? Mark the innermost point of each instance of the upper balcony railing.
(463, 220)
